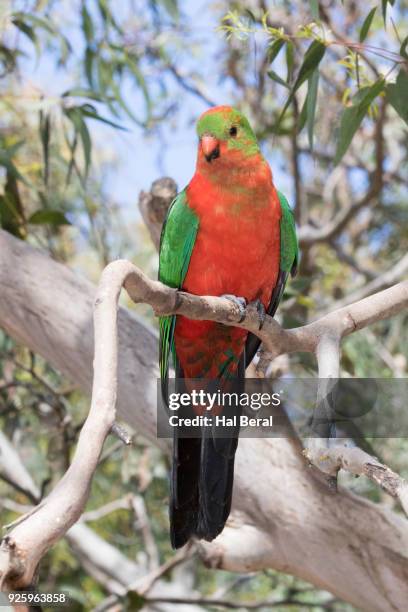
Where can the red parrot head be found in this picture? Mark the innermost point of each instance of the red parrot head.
(226, 140)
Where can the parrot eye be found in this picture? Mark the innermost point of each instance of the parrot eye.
(233, 131)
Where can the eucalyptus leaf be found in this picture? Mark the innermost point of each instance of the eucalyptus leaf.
(367, 24)
(45, 142)
(89, 59)
(94, 115)
(290, 60)
(403, 49)
(28, 31)
(275, 77)
(397, 95)
(48, 217)
(171, 7)
(384, 5)
(311, 61)
(87, 24)
(76, 116)
(311, 103)
(353, 116)
(274, 49)
(79, 92)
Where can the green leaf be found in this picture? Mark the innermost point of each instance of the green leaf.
(107, 15)
(48, 217)
(302, 117)
(384, 4)
(116, 91)
(40, 22)
(94, 115)
(6, 162)
(87, 24)
(28, 31)
(314, 9)
(75, 114)
(78, 92)
(403, 49)
(290, 60)
(140, 80)
(312, 59)
(8, 58)
(384, 10)
(89, 65)
(12, 215)
(274, 49)
(275, 77)
(397, 95)
(311, 103)
(48, 26)
(134, 601)
(45, 142)
(250, 15)
(367, 24)
(171, 7)
(353, 116)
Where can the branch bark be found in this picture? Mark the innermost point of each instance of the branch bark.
(284, 518)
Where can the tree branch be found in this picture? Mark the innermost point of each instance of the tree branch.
(357, 462)
(386, 279)
(52, 518)
(285, 524)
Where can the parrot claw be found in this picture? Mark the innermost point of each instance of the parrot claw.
(238, 301)
(260, 309)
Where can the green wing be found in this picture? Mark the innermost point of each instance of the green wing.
(176, 245)
(289, 249)
(289, 257)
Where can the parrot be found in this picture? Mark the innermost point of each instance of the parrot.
(229, 233)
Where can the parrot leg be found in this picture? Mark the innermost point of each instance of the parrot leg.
(242, 305)
(260, 309)
(238, 301)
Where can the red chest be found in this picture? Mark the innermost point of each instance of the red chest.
(238, 241)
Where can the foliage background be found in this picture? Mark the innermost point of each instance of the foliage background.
(98, 99)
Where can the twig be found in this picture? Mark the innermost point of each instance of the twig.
(145, 583)
(117, 504)
(143, 523)
(13, 471)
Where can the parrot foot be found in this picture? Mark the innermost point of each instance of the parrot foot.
(238, 301)
(260, 309)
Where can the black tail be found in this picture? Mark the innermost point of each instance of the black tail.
(202, 479)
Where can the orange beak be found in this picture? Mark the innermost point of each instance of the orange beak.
(210, 146)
